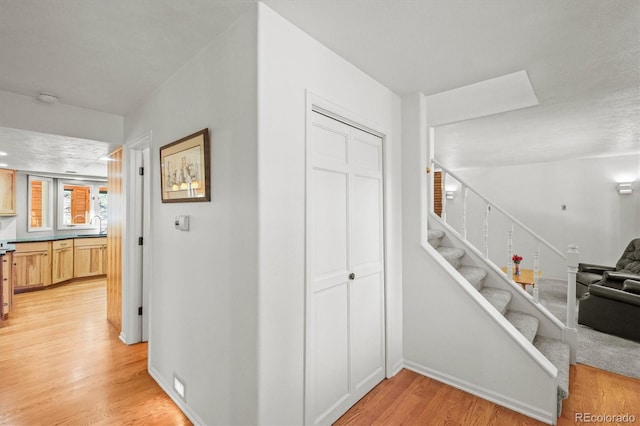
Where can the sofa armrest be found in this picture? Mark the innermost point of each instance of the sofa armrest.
(619, 276)
(613, 294)
(595, 269)
(631, 286)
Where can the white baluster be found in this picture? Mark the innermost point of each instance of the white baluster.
(572, 269)
(510, 250)
(536, 271)
(485, 230)
(464, 212)
(571, 333)
(443, 196)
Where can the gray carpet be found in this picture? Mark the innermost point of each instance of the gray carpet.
(597, 349)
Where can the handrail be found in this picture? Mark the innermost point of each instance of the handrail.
(571, 259)
(501, 210)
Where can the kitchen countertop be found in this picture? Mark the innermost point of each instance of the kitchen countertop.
(6, 247)
(53, 238)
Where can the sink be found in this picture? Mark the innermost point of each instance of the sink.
(91, 235)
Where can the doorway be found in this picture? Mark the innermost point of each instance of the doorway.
(138, 243)
(345, 308)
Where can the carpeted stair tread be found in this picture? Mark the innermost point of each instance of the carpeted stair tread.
(474, 275)
(434, 237)
(524, 323)
(559, 354)
(498, 298)
(451, 255)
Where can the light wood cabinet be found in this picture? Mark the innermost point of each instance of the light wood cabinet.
(32, 263)
(89, 257)
(62, 264)
(7, 279)
(7, 192)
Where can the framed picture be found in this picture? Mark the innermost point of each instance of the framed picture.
(184, 169)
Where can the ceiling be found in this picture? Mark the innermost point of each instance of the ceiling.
(583, 60)
(46, 153)
(582, 57)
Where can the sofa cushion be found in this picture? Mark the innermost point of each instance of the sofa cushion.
(588, 278)
(631, 286)
(630, 259)
(613, 294)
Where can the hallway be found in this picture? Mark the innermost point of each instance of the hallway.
(62, 363)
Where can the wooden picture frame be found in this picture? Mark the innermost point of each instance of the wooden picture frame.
(185, 170)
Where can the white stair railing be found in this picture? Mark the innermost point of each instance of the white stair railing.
(571, 260)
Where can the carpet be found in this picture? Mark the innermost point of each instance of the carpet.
(597, 349)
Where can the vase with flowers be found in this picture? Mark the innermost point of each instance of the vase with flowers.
(516, 263)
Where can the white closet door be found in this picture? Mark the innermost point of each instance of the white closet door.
(345, 268)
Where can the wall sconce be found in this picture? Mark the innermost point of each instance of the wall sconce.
(624, 188)
(450, 194)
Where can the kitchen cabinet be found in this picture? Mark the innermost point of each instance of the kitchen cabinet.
(32, 263)
(89, 257)
(62, 262)
(7, 279)
(7, 192)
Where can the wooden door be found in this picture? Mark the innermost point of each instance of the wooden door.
(62, 261)
(88, 260)
(32, 269)
(117, 216)
(345, 267)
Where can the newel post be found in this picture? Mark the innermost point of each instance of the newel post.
(571, 331)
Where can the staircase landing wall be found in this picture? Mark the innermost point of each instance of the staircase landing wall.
(450, 336)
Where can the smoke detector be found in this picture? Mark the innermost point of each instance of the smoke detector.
(47, 98)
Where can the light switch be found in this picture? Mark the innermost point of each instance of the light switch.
(182, 223)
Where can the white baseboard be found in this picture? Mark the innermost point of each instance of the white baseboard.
(186, 409)
(123, 337)
(396, 368)
(489, 395)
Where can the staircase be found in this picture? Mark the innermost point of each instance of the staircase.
(556, 351)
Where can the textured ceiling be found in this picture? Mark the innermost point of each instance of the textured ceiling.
(582, 57)
(45, 153)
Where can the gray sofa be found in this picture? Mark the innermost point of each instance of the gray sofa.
(627, 268)
(613, 311)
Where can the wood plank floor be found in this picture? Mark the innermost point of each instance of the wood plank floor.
(412, 399)
(62, 363)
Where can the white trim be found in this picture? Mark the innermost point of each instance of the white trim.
(123, 337)
(481, 392)
(396, 368)
(132, 268)
(186, 408)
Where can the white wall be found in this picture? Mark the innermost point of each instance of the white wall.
(27, 113)
(203, 301)
(290, 63)
(599, 220)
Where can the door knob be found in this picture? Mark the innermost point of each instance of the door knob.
(352, 276)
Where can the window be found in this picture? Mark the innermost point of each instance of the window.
(82, 205)
(40, 204)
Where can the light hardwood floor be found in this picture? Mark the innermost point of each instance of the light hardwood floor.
(412, 399)
(62, 363)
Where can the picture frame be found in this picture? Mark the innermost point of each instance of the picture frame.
(185, 170)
